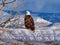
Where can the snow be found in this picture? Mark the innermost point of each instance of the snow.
(24, 34)
(40, 20)
(4, 17)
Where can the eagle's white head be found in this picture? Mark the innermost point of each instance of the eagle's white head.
(28, 13)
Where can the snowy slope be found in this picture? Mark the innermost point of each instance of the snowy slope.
(39, 22)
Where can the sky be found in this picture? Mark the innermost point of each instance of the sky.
(49, 6)
(52, 6)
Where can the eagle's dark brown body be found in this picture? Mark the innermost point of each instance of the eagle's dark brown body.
(29, 22)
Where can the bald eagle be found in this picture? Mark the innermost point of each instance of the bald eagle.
(29, 22)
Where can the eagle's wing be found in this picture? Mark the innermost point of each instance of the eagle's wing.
(29, 22)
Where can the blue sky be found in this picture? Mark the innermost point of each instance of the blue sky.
(43, 5)
(50, 6)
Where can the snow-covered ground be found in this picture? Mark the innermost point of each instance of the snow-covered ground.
(21, 34)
